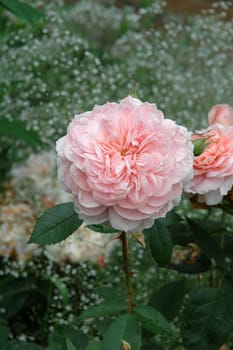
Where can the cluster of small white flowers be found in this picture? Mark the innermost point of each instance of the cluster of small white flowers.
(79, 280)
(185, 68)
(45, 76)
(92, 52)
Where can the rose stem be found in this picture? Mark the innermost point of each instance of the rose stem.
(125, 251)
(222, 237)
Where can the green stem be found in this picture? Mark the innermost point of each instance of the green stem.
(222, 238)
(125, 251)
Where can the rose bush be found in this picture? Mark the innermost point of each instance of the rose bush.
(221, 114)
(213, 168)
(124, 163)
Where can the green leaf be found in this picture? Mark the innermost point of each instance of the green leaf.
(102, 324)
(62, 289)
(172, 218)
(160, 242)
(125, 328)
(69, 345)
(115, 333)
(220, 323)
(103, 228)
(169, 299)
(57, 339)
(22, 10)
(4, 333)
(132, 333)
(206, 242)
(110, 307)
(56, 224)
(153, 320)
(110, 293)
(94, 345)
(208, 317)
(228, 242)
(18, 129)
(152, 344)
(14, 293)
(195, 319)
(227, 206)
(22, 345)
(181, 233)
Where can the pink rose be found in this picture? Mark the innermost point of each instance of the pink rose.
(124, 163)
(213, 168)
(221, 114)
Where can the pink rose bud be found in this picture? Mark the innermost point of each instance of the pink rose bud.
(124, 164)
(213, 167)
(221, 114)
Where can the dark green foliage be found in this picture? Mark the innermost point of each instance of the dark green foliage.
(22, 298)
(115, 334)
(6, 344)
(133, 333)
(58, 339)
(226, 205)
(153, 320)
(109, 294)
(152, 344)
(206, 242)
(22, 10)
(33, 302)
(181, 233)
(195, 319)
(220, 323)
(125, 328)
(69, 345)
(4, 333)
(18, 130)
(12, 132)
(22, 345)
(208, 317)
(61, 287)
(160, 242)
(111, 307)
(169, 299)
(94, 345)
(56, 224)
(7, 157)
(16, 293)
(103, 228)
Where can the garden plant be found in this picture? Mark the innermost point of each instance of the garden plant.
(149, 174)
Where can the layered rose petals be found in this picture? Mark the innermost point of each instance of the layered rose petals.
(213, 169)
(124, 163)
(221, 114)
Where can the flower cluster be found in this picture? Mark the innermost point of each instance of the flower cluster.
(127, 45)
(127, 165)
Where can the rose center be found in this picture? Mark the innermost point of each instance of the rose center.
(130, 148)
(123, 152)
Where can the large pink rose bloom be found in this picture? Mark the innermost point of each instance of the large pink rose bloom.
(124, 163)
(213, 169)
(221, 114)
